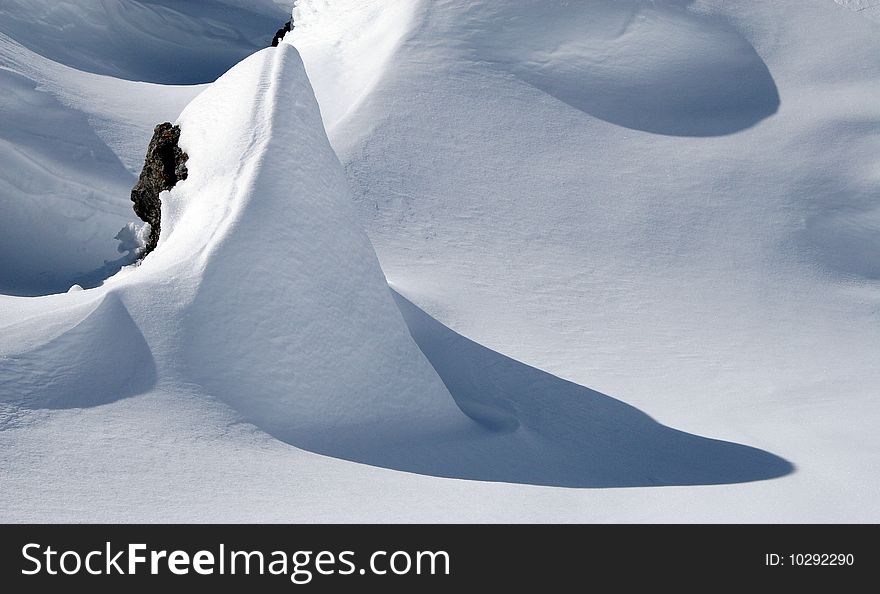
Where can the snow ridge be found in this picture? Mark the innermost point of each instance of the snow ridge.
(706, 268)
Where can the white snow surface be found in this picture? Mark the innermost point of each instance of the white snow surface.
(713, 265)
(72, 144)
(589, 212)
(868, 8)
(165, 41)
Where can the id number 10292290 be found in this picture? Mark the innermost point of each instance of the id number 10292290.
(821, 559)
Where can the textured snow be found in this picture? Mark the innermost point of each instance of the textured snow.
(720, 279)
(263, 224)
(164, 41)
(630, 245)
(868, 8)
(72, 144)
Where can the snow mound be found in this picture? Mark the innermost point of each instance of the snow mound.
(646, 66)
(672, 202)
(264, 290)
(291, 321)
(265, 294)
(706, 264)
(100, 359)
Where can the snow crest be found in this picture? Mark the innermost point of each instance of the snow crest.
(264, 289)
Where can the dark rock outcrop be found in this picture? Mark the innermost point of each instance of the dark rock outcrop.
(279, 35)
(164, 166)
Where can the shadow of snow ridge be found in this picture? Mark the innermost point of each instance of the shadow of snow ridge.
(100, 360)
(655, 67)
(535, 428)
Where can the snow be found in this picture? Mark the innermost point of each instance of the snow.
(162, 41)
(264, 222)
(71, 144)
(266, 218)
(365, 37)
(629, 245)
(719, 280)
(868, 8)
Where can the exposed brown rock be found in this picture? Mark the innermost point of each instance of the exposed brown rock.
(164, 166)
(279, 35)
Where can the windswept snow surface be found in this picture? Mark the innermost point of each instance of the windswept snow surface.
(590, 212)
(71, 146)
(868, 8)
(291, 320)
(263, 297)
(671, 202)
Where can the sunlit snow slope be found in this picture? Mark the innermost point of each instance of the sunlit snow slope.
(263, 290)
(674, 202)
(73, 131)
(265, 294)
(589, 212)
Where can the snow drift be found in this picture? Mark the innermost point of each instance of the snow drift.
(265, 293)
(263, 290)
(543, 235)
(60, 188)
(74, 131)
(100, 359)
(71, 145)
(672, 202)
(163, 41)
(651, 67)
(291, 320)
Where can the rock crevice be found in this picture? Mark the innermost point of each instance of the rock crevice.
(279, 35)
(164, 166)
